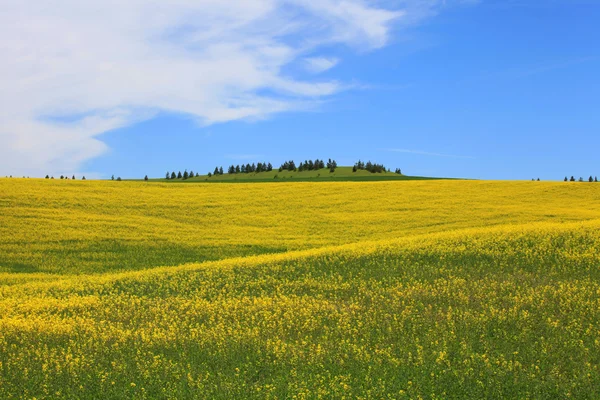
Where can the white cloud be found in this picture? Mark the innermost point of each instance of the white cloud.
(320, 64)
(71, 69)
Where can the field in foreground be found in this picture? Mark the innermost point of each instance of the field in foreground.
(429, 289)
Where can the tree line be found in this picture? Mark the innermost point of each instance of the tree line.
(590, 179)
(248, 168)
(65, 177)
(179, 175)
(373, 168)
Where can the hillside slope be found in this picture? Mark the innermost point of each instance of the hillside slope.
(340, 174)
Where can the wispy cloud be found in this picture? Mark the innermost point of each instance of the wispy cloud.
(320, 64)
(426, 153)
(244, 157)
(72, 70)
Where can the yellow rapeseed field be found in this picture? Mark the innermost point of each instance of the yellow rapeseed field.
(416, 289)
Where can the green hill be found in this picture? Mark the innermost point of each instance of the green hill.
(340, 174)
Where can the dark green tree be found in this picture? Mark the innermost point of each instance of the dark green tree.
(73, 177)
(173, 176)
(179, 175)
(566, 179)
(47, 177)
(572, 178)
(185, 174)
(82, 178)
(112, 178)
(220, 170)
(167, 176)
(146, 178)
(591, 179)
(119, 179)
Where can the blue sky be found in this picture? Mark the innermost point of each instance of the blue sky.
(488, 89)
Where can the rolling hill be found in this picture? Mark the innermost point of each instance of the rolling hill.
(340, 174)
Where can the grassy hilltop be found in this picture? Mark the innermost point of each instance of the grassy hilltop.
(340, 174)
(415, 289)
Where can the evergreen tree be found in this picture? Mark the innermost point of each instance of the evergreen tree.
(146, 178)
(82, 178)
(47, 177)
(185, 174)
(197, 175)
(243, 169)
(112, 178)
(591, 179)
(572, 178)
(220, 170)
(566, 179)
(173, 176)
(167, 176)
(231, 170)
(74, 177)
(209, 174)
(179, 175)
(354, 169)
(61, 177)
(119, 179)
(191, 174)
(580, 179)
(237, 169)
(269, 167)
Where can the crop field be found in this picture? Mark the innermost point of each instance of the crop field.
(373, 290)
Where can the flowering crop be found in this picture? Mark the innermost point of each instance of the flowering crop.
(430, 289)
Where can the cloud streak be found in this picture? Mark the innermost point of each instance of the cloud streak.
(427, 153)
(72, 70)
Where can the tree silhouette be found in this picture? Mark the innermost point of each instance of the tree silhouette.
(146, 178)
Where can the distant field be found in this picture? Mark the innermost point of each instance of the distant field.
(340, 174)
(398, 289)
